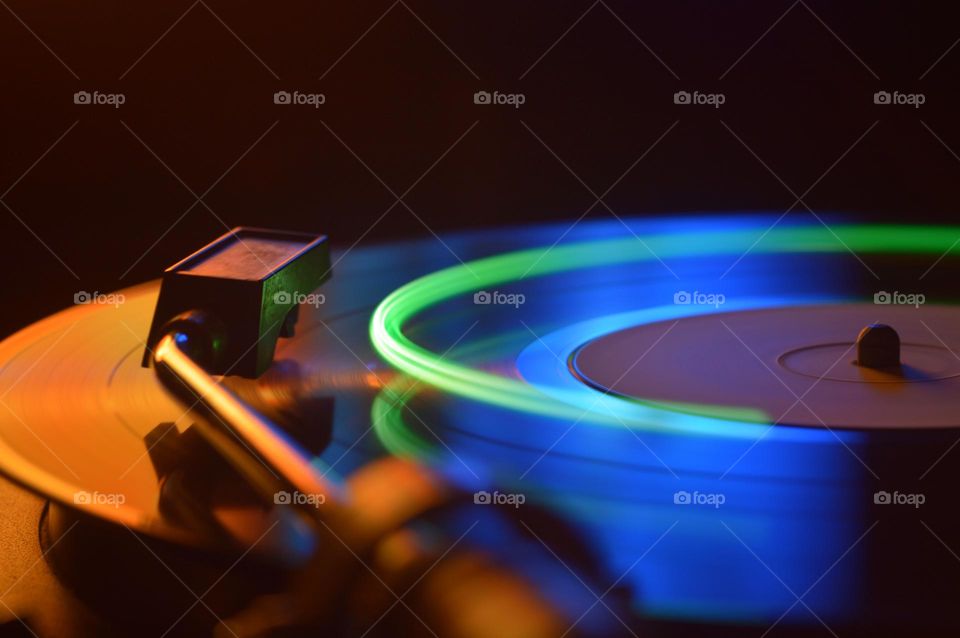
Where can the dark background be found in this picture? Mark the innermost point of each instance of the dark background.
(98, 198)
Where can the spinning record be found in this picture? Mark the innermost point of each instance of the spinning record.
(751, 421)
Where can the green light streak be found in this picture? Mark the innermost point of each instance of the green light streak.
(386, 414)
(388, 338)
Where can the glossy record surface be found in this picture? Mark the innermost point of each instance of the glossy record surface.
(797, 505)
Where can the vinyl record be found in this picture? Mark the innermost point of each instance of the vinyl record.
(687, 392)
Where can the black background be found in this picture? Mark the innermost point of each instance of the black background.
(109, 203)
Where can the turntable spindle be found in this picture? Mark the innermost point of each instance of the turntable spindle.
(878, 346)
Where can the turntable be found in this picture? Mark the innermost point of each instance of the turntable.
(678, 427)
